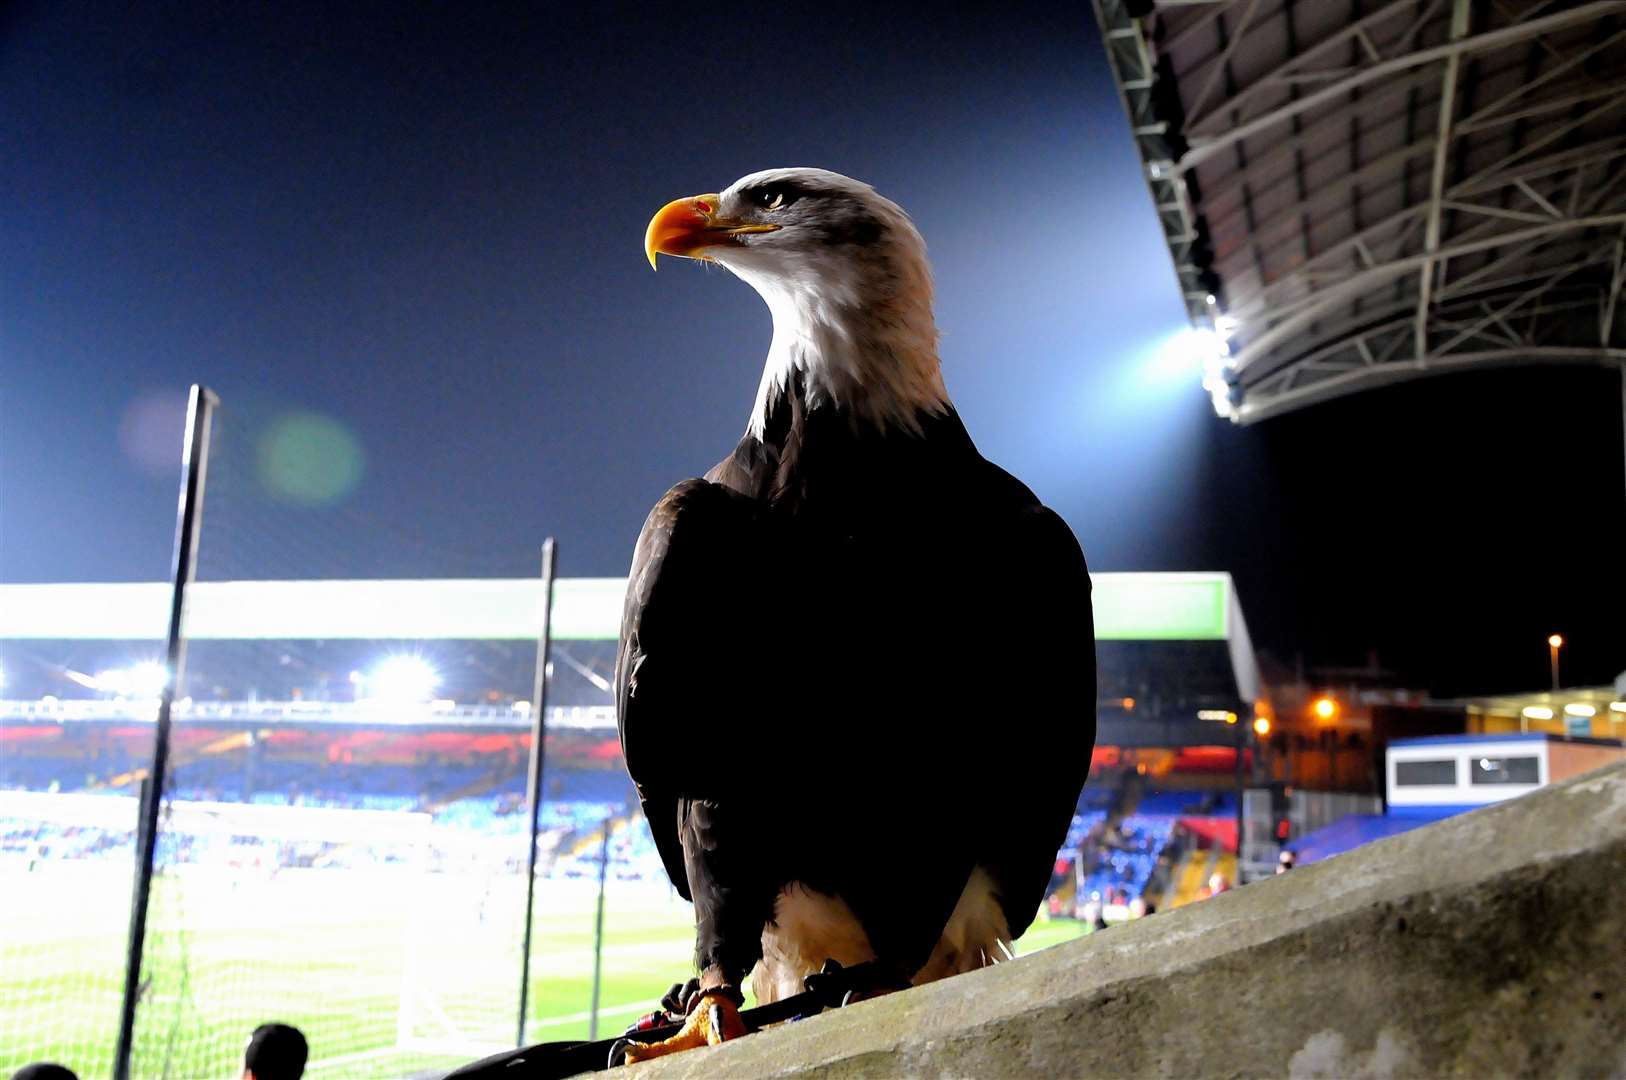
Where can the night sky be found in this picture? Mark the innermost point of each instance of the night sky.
(403, 244)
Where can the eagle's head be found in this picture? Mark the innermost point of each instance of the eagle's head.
(844, 272)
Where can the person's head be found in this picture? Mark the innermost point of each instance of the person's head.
(275, 1052)
(1218, 884)
(44, 1070)
(1137, 907)
(1286, 861)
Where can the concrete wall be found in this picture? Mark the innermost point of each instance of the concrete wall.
(1490, 944)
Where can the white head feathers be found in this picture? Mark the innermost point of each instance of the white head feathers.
(846, 278)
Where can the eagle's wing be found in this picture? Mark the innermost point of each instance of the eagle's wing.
(1038, 590)
(687, 648)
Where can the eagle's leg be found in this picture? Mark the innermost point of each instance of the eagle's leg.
(733, 900)
(714, 1017)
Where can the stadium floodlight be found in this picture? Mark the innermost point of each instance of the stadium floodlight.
(401, 678)
(144, 680)
(1208, 351)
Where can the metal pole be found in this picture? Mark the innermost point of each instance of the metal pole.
(1242, 728)
(1554, 650)
(598, 930)
(188, 521)
(533, 798)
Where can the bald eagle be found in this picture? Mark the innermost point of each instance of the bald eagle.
(856, 678)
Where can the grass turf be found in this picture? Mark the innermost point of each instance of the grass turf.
(387, 973)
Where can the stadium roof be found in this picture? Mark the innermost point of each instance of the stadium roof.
(1358, 194)
(1128, 607)
(1155, 607)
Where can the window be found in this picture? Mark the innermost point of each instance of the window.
(1420, 773)
(1505, 770)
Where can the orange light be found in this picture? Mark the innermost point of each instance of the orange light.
(1325, 707)
(1261, 726)
(1128, 703)
(1556, 641)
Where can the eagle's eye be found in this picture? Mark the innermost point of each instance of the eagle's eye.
(774, 198)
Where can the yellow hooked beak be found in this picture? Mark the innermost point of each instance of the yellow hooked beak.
(685, 227)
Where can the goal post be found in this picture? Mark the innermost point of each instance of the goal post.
(259, 912)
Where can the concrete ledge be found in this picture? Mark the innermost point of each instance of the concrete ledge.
(1491, 944)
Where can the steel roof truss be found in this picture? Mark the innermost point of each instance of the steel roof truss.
(1606, 321)
(1490, 39)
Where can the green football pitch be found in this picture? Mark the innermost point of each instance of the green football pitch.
(388, 973)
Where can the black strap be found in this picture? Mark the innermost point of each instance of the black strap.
(557, 1060)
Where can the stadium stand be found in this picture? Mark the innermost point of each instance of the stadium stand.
(470, 793)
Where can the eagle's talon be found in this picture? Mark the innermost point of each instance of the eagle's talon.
(714, 1018)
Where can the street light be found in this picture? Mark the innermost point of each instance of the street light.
(1554, 643)
(1325, 708)
(1261, 726)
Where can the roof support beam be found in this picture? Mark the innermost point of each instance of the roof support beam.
(1481, 281)
(1516, 338)
(1436, 187)
(1294, 65)
(1217, 68)
(1606, 324)
(1509, 308)
(1392, 234)
(1486, 115)
(1364, 282)
(1348, 382)
(1492, 39)
(1549, 105)
(1557, 133)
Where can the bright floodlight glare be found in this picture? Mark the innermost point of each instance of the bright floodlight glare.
(403, 678)
(1576, 708)
(1325, 707)
(145, 680)
(1261, 725)
(1617, 706)
(1213, 353)
(1537, 712)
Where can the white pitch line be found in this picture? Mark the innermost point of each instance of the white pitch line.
(587, 1014)
(552, 1021)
